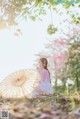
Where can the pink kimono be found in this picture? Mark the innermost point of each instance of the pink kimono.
(45, 86)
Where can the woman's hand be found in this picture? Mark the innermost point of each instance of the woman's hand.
(39, 81)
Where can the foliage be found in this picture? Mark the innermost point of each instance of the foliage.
(51, 29)
(73, 63)
(12, 11)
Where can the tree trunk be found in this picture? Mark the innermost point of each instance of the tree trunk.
(77, 83)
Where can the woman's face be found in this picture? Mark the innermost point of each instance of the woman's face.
(41, 64)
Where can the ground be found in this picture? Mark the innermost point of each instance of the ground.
(47, 107)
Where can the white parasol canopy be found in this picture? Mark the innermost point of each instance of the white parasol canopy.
(19, 84)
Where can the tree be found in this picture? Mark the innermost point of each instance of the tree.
(11, 11)
(56, 55)
(59, 55)
(73, 63)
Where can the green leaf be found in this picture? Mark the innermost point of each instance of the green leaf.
(38, 2)
(67, 6)
(33, 18)
(51, 29)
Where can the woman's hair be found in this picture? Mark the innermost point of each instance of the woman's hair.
(45, 63)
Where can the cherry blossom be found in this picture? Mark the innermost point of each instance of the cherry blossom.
(59, 42)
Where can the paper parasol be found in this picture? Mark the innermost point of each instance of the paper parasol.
(19, 84)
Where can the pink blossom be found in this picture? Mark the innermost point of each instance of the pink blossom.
(59, 60)
(59, 57)
(59, 42)
(59, 64)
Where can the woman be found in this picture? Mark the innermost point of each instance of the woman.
(44, 87)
